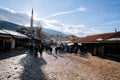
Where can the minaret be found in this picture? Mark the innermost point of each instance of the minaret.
(31, 23)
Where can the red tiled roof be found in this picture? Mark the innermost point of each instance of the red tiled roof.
(116, 35)
(97, 38)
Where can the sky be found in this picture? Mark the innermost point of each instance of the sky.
(77, 17)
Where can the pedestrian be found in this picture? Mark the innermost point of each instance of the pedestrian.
(41, 49)
(36, 51)
(31, 49)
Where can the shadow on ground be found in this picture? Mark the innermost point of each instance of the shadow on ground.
(12, 53)
(33, 68)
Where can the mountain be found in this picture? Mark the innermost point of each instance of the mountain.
(12, 26)
(9, 25)
(50, 31)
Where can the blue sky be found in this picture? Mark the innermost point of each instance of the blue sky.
(80, 17)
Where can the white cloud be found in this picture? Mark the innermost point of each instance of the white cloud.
(20, 18)
(13, 16)
(78, 30)
(82, 9)
(7, 9)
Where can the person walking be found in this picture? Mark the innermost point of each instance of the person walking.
(36, 51)
(41, 49)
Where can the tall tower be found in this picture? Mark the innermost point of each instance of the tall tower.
(31, 23)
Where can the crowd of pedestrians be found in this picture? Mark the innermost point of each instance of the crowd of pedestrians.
(59, 48)
(36, 48)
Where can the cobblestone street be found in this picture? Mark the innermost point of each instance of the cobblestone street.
(20, 65)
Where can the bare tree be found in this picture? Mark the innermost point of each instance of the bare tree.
(39, 33)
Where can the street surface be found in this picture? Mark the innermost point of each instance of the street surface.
(20, 65)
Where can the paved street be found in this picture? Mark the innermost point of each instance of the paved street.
(20, 65)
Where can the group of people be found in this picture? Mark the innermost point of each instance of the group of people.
(35, 48)
(59, 48)
(40, 47)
